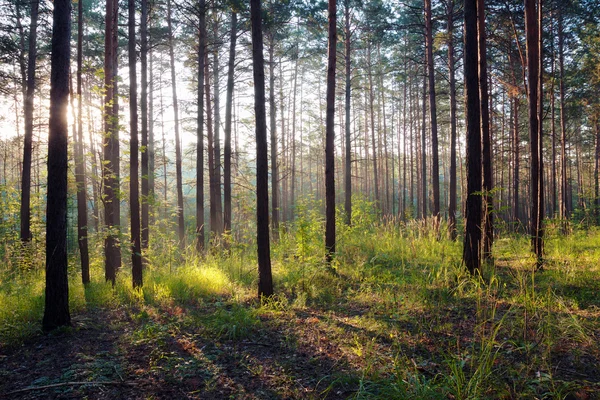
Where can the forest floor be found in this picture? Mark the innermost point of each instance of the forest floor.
(389, 324)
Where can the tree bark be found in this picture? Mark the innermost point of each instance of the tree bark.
(200, 239)
(144, 117)
(486, 142)
(452, 195)
(228, 119)
(217, 119)
(534, 101)
(82, 220)
(56, 308)
(134, 190)
(473, 207)
(178, 160)
(265, 280)
(28, 137)
(273, 129)
(330, 136)
(348, 92)
(110, 171)
(435, 163)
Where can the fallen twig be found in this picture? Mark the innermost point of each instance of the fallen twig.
(55, 385)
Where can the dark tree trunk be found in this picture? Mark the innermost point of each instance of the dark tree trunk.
(56, 309)
(273, 128)
(517, 157)
(564, 197)
(348, 164)
(452, 194)
(228, 119)
(110, 171)
(144, 117)
(178, 160)
(372, 121)
(200, 131)
(265, 280)
(423, 181)
(217, 142)
(533, 92)
(134, 190)
(82, 220)
(486, 142)
(473, 207)
(435, 163)
(210, 147)
(28, 111)
(330, 136)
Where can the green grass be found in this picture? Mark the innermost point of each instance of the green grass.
(398, 308)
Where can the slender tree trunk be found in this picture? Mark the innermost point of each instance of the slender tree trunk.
(216, 132)
(56, 309)
(348, 163)
(144, 111)
(200, 239)
(273, 129)
(82, 222)
(452, 195)
(293, 183)
(212, 180)
(533, 71)
(330, 136)
(110, 170)
(228, 108)
(486, 142)
(517, 157)
(178, 158)
(372, 116)
(435, 163)
(424, 197)
(473, 207)
(28, 111)
(134, 190)
(265, 280)
(564, 201)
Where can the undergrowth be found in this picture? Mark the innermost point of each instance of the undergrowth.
(403, 313)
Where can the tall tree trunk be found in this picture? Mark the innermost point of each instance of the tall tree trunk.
(486, 142)
(564, 201)
(216, 132)
(178, 158)
(273, 129)
(265, 280)
(517, 157)
(435, 163)
(423, 181)
(596, 173)
(293, 139)
(134, 189)
(473, 207)
(452, 195)
(228, 109)
(56, 308)
(372, 126)
(212, 179)
(200, 239)
(348, 164)
(28, 111)
(82, 220)
(330, 136)
(111, 163)
(533, 81)
(144, 111)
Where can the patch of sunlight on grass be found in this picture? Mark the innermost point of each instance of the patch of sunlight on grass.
(21, 308)
(190, 283)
